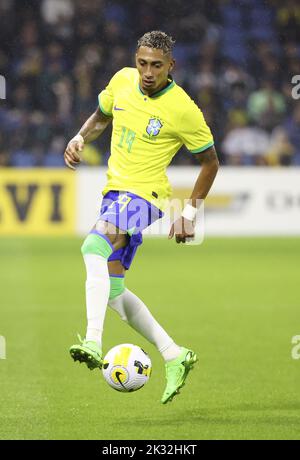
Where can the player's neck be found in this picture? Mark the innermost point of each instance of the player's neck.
(164, 85)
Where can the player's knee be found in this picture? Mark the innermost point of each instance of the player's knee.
(98, 244)
(117, 286)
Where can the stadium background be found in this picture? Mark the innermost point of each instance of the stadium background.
(237, 60)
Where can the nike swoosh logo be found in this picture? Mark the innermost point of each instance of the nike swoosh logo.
(117, 108)
(118, 378)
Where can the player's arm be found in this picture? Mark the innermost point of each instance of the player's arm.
(184, 227)
(210, 165)
(92, 128)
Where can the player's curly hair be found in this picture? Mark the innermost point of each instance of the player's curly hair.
(157, 39)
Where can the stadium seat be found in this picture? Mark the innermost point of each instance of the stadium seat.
(231, 15)
(23, 159)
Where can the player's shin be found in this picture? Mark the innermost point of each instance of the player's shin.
(134, 311)
(95, 250)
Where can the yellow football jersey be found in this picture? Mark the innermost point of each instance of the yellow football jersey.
(147, 133)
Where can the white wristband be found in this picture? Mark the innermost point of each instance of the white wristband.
(77, 138)
(189, 212)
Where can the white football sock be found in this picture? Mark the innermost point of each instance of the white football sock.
(172, 352)
(97, 293)
(135, 312)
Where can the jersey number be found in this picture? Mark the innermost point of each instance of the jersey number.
(128, 136)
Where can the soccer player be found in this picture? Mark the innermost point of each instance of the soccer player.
(152, 118)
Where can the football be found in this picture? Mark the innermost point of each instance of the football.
(126, 367)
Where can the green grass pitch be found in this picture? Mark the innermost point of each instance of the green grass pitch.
(234, 301)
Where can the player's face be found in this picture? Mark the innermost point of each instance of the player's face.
(153, 66)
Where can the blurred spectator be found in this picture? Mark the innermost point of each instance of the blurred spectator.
(244, 144)
(266, 106)
(53, 11)
(280, 151)
(53, 157)
(235, 86)
(288, 20)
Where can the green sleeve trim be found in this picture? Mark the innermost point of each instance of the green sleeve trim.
(205, 147)
(102, 109)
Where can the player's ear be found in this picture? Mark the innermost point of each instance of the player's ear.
(172, 65)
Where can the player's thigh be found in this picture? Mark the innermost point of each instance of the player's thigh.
(117, 237)
(115, 267)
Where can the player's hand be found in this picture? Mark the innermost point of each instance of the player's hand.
(72, 153)
(183, 229)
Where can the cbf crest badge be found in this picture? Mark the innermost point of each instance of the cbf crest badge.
(154, 127)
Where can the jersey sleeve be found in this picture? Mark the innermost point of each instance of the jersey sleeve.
(106, 97)
(194, 132)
